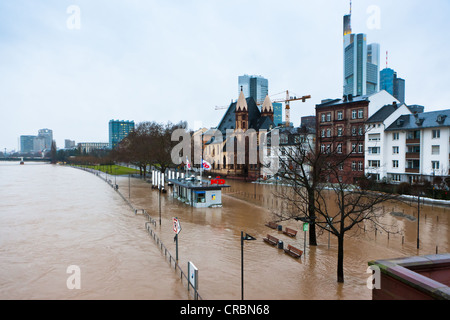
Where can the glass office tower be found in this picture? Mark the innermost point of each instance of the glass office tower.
(256, 87)
(361, 63)
(119, 129)
(390, 82)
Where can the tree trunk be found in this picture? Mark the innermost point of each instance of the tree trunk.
(340, 266)
(312, 216)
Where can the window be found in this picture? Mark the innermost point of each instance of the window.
(341, 167)
(354, 166)
(394, 163)
(395, 150)
(322, 117)
(353, 147)
(374, 163)
(374, 150)
(340, 130)
(413, 149)
(353, 131)
(436, 134)
(322, 133)
(361, 131)
(340, 115)
(360, 148)
(328, 117)
(328, 132)
(322, 148)
(413, 135)
(353, 114)
(360, 166)
(374, 137)
(435, 165)
(360, 113)
(396, 178)
(413, 164)
(339, 148)
(435, 150)
(395, 136)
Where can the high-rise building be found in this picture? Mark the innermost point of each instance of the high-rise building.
(256, 87)
(390, 82)
(119, 129)
(277, 113)
(27, 144)
(41, 142)
(361, 63)
(46, 137)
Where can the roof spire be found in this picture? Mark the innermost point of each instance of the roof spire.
(241, 104)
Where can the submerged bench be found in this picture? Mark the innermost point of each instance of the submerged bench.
(272, 225)
(290, 232)
(293, 251)
(271, 240)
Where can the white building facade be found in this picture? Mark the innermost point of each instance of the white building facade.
(407, 147)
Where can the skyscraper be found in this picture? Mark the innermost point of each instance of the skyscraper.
(119, 129)
(256, 87)
(277, 113)
(390, 82)
(361, 61)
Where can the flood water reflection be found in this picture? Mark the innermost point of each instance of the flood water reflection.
(54, 216)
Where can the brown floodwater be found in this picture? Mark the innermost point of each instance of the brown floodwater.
(54, 216)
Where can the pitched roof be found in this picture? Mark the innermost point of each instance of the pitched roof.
(241, 103)
(267, 105)
(432, 119)
(384, 112)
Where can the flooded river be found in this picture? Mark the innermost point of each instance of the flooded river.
(52, 217)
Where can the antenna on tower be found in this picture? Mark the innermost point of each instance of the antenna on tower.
(387, 59)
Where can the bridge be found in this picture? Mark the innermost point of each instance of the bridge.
(26, 159)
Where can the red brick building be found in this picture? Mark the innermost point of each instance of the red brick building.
(340, 130)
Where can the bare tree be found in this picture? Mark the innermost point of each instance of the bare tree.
(317, 192)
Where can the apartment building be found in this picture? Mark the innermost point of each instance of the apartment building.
(406, 145)
(420, 145)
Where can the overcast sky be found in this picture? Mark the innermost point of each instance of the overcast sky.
(172, 60)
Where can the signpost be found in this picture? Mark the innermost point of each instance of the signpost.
(177, 230)
(246, 238)
(305, 228)
(193, 278)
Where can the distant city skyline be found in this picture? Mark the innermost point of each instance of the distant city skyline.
(74, 70)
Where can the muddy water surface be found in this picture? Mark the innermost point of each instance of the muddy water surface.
(52, 217)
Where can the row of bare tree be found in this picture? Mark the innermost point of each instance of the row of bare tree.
(150, 144)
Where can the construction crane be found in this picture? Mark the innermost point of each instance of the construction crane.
(287, 102)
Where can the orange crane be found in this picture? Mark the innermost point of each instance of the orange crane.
(287, 102)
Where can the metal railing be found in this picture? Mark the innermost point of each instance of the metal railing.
(167, 255)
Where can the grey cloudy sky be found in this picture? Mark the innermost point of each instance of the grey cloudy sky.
(172, 60)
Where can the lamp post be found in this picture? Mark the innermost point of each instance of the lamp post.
(246, 238)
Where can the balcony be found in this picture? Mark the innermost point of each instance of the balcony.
(412, 170)
(413, 141)
(412, 155)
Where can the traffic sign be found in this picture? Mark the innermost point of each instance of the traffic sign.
(305, 226)
(176, 226)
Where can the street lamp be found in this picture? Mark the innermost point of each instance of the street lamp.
(246, 238)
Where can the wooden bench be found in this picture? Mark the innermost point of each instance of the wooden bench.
(272, 225)
(271, 240)
(290, 232)
(293, 251)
